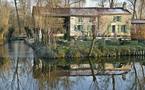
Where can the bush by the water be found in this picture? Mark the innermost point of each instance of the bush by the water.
(80, 49)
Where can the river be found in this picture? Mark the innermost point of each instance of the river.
(20, 69)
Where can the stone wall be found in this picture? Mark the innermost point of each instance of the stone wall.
(103, 25)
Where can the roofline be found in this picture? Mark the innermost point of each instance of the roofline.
(84, 7)
(141, 21)
(80, 15)
(127, 12)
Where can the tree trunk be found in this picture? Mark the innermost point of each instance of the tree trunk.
(19, 25)
(113, 82)
(134, 11)
(92, 70)
(111, 3)
(141, 9)
(92, 47)
(93, 35)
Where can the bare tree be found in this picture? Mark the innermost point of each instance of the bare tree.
(141, 8)
(102, 3)
(111, 3)
(18, 18)
(133, 4)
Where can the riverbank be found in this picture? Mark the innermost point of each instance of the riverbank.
(80, 49)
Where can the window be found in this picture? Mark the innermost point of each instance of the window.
(93, 27)
(117, 18)
(113, 28)
(89, 27)
(80, 19)
(75, 27)
(90, 19)
(78, 27)
(123, 28)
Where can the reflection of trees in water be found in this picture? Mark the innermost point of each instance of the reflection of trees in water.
(19, 73)
(143, 74)
(139, 80)
(3, 52)
(4, 64)
(15, 71)
(4, 67)
(4, 60)
(106, 78)
(16, 77)
(52, 77)
(49, 76)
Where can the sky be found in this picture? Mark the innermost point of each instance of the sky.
(93, 3)
(89, 3)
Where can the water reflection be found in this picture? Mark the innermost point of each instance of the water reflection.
(20, 69)
(91, 74)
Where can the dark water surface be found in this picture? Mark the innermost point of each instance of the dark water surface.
(20, 69)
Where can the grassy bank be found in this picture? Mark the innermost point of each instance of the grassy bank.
(80, 49)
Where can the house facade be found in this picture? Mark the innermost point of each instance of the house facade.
(104, 22)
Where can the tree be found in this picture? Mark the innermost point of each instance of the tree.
(141, 8)
(102, 3)
(52, 25)
(133, 4)
(4, 19)
(111, 3)
(18, 18)
(94, 33)
(108, 3)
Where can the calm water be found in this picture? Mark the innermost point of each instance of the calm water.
(20, 69)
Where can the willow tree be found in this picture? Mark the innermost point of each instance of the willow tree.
(51, 25)
(4, 19)
(23, 14)
(47, 24)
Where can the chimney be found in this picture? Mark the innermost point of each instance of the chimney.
(124, 5)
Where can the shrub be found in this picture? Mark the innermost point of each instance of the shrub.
(112, 42)
(96, 53)
(72, 52)
(61, 51)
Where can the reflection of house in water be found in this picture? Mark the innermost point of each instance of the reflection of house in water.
(117, 66)
(85, 69)
(108, 69)
(82, 66)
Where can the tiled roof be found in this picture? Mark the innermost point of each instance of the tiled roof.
(84, 11)
(138, 21)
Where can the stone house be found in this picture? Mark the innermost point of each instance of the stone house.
(138, 29)
(104, 22)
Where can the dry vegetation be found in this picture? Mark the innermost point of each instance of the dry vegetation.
(4, 20)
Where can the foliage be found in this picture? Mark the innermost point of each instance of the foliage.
(73, 52)
(4, 20)
(80, 49)
(61, 51)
